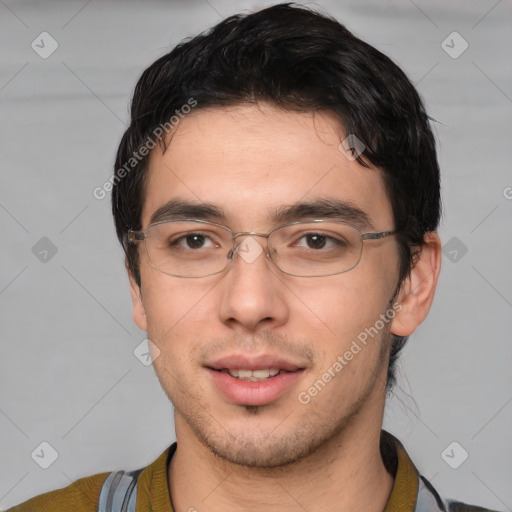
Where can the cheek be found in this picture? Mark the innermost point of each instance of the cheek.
(166, 298)
(176, 309)
(342, 306)
(355, 324)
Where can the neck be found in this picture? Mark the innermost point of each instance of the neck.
(346, 474)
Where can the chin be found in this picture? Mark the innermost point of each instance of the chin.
(270, 447)
(262, 454)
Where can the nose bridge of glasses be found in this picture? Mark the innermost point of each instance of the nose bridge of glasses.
(249, 233)
(237, 245)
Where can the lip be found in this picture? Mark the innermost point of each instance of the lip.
(244, 392)
(241, 392)
(241, 362)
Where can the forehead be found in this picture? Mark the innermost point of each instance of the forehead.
(250, 161)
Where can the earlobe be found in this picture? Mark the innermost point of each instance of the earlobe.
(418, 288)
(138, 309)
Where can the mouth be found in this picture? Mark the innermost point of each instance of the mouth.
(253, 375)
(253, 380)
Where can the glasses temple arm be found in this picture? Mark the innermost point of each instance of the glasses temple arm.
(134, 236)
(377, 236)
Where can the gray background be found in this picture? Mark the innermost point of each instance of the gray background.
(68, 372)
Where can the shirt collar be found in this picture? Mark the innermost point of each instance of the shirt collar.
(405, 487)
(403, 495)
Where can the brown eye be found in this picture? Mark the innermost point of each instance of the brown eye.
(316, 241)
(192, 241)
(195, 241)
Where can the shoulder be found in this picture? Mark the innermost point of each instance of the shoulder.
(455, 506)
(81, 496)
(429, 500)
(411, 491)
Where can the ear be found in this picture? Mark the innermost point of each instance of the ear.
(418, 288)
(138, 309)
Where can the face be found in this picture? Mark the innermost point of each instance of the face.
(250, 162)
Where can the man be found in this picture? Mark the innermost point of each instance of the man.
(277, 196)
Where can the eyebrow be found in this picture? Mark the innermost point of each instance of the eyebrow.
(342, 211)
(178, 209)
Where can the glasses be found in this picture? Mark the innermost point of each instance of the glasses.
(197, 248)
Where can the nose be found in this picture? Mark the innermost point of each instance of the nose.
(252, 295)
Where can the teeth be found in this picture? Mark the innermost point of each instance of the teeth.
(261, 374)
(254, 375)
(244, 374)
